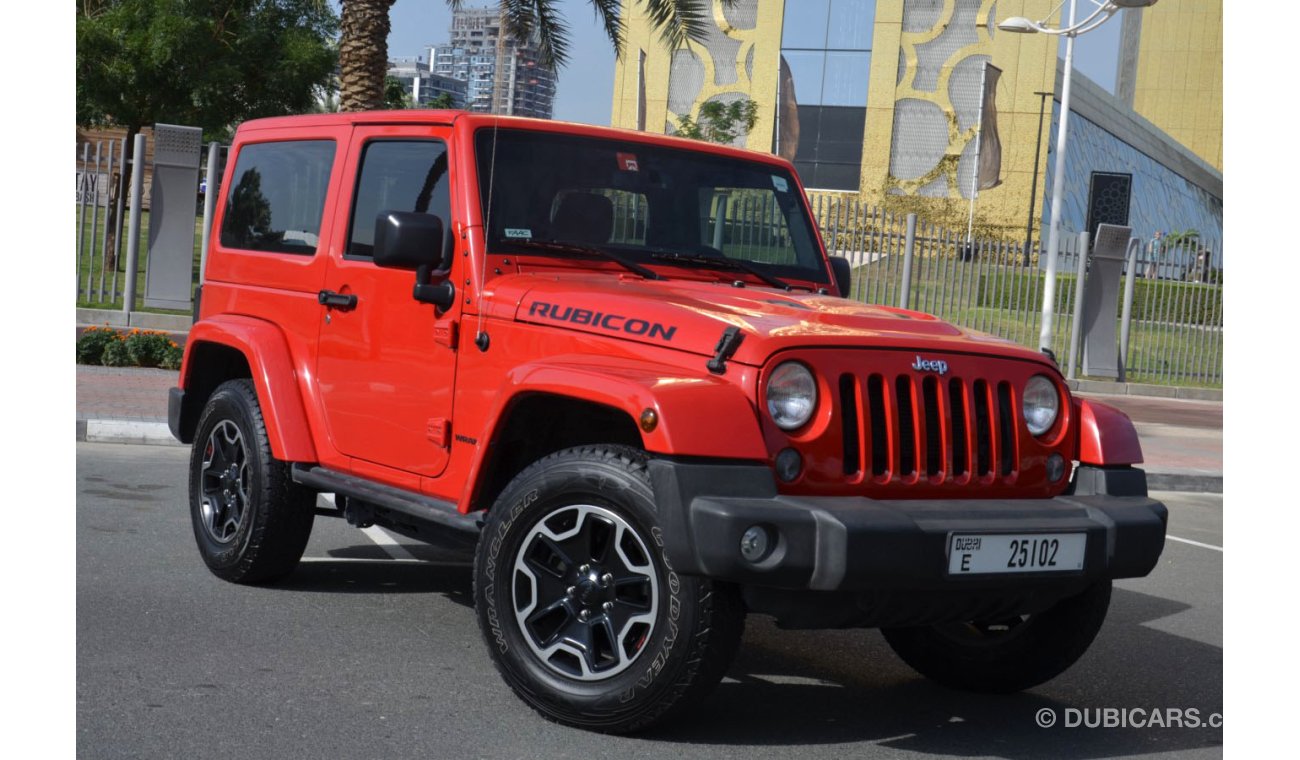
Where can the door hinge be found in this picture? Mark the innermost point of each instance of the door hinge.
(438, 431)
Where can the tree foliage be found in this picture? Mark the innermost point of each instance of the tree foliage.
(208, 63)
(1182, 237)
(442, 100)
(722, 123)
(363, 47)
(396, 96)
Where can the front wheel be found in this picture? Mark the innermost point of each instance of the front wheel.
(582, 613)
(1006, 655)
(251, 521)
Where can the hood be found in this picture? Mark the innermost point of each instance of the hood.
(691, 315)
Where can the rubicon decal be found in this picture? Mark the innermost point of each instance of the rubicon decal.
(611, 322)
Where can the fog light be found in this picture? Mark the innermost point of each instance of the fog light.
(1055, 467)
(788, 465)
(755, 544)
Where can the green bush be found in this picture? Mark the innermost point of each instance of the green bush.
(148, 349)
(136, 348)
(116, 355)
(91, 344)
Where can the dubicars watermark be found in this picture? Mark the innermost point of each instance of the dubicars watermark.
(1127, 717)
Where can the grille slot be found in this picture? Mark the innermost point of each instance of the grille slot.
(957, 413)
(906, 426)
(879, 426)
(983, 430)
(1007, 432)
(852, 428)
(933, 423)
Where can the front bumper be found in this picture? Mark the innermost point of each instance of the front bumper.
(861, 544)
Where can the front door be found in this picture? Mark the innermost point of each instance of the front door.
(385, 365)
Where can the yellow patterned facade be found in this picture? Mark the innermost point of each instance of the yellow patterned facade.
(1179, 85)
(905, 40)
(759, 43)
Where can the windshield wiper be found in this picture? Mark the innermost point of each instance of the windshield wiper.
(559, 247)
(715, 262)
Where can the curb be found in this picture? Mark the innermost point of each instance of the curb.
(143, 319)
(1145, 390)
(126, 431)
(1172, 481)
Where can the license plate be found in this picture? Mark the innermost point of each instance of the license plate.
(982, 553)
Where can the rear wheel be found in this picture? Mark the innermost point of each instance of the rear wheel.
(583, 615)
(1006, 655)
(251, 521)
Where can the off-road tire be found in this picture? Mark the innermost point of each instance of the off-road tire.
(1040, 647)
(276, 514)
(696, 627)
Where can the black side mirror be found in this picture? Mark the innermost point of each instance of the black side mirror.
(407, 240)
(412, 240)
(843, 271)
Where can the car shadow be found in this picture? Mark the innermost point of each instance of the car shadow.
(366, 569)
(827, 687)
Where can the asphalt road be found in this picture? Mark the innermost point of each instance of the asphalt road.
(360, 655)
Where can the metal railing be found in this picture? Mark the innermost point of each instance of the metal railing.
(1175, 327)
(99, 186)
(109, 262)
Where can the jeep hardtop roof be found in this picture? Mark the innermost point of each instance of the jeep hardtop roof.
(473, 121)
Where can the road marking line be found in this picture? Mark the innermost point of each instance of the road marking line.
(387, 542)
(391, 546)
(1194, 543)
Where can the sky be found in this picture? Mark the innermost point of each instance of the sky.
(585, 89)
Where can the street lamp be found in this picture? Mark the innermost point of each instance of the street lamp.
(1022, 25)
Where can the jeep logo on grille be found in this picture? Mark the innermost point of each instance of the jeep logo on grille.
(930, 365)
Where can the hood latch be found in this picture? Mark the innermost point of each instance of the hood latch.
(731, 339)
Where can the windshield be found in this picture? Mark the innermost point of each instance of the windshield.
(641, 201)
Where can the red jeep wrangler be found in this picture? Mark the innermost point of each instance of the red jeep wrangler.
(621, 367)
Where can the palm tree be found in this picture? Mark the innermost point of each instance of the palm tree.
(363, 45)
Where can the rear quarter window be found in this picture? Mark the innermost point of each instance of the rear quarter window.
(276, 197)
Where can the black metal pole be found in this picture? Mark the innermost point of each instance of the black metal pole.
(1033, 187)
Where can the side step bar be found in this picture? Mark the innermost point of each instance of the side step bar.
(415, 506)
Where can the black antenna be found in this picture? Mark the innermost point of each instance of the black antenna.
(480, 337)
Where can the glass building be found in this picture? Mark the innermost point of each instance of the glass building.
(825, 59)
(883, 99)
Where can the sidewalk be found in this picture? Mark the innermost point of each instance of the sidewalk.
(1181, 440)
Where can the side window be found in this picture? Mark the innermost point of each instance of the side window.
(277, 197)
(398, 176)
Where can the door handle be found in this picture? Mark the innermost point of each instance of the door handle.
(336, 300)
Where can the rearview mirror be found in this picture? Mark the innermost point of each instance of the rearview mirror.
(843, 271)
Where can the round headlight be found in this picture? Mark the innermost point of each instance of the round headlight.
(791, 395)
(1042, 404)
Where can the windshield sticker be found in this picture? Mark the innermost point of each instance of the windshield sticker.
(627, 162)
(519, 233)
(780, 184)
